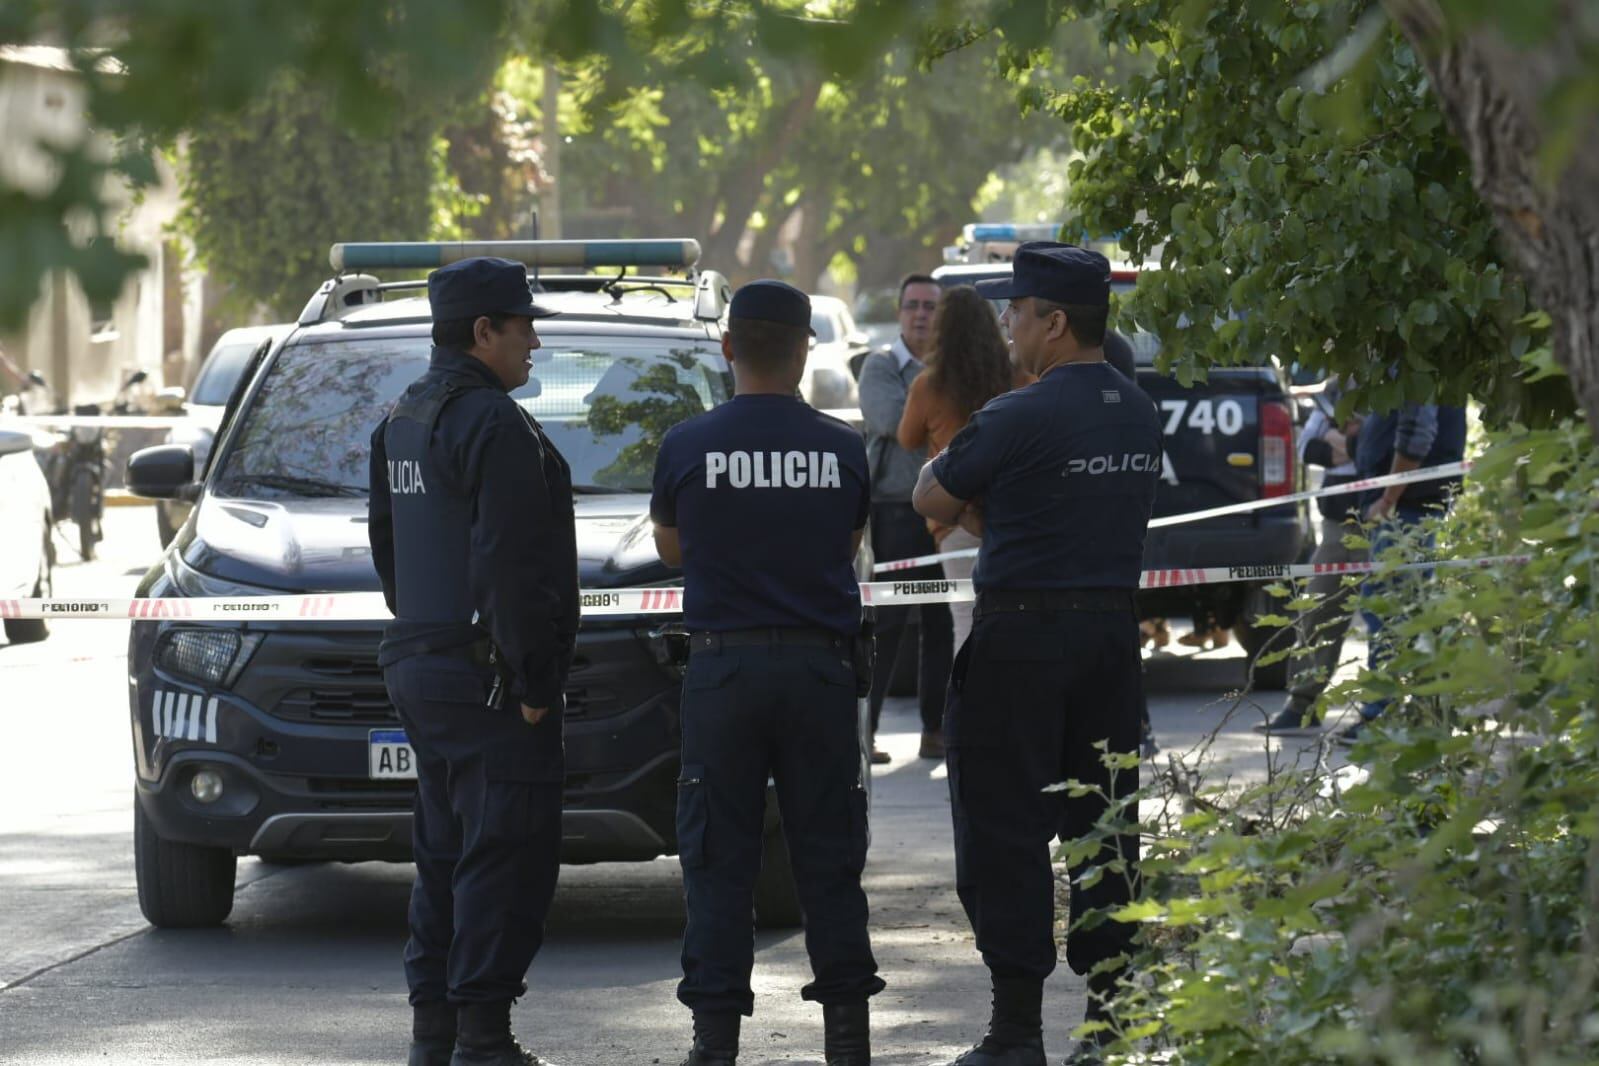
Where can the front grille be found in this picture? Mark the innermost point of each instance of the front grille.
(338, 706)
(360, 794)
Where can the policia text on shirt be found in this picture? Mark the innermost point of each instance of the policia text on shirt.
(1059, 478)
(763, 502)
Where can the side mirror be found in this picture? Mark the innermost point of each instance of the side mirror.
(162, 472)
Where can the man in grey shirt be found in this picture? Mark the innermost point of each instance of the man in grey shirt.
(898, 532)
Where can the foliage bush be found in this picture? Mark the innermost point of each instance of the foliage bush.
(1437, 901)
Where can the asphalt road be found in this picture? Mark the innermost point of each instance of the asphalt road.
(308, 967)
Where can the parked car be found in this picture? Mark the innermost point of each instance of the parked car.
(259, 737)
(27, 556)
(829, 383)
(1228, 440)
(204, 401)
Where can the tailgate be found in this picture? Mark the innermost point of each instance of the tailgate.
(1211, 432)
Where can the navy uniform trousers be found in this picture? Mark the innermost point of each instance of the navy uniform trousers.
(486, 834)
(1031, 694)
(785, 713)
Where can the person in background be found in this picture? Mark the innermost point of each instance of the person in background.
(968, 366)
(1320, 629)
(1394, 442)
(897, 531)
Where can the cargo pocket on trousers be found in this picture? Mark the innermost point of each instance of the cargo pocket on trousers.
(692, 817)
(519, 800)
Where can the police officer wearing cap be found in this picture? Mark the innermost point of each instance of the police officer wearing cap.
(762, 502)
(472, 534)
(1060, 478)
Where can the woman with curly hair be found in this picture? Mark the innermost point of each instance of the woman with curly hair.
(969, 365)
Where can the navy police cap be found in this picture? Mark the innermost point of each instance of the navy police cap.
(1062, 273)
(482, 285)
(772, 301)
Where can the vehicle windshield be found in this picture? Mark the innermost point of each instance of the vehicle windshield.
(604, 404)
(221, 372)
(822, 323)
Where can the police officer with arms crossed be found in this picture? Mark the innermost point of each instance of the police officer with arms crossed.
(762, 501)
(1060, 477)
(472, 534)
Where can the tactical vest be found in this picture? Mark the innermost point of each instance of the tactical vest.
(432, 512)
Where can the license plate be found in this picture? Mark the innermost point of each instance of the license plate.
(390, 756)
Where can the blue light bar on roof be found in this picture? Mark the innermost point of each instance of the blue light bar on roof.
(427, 255)
(1011, 231)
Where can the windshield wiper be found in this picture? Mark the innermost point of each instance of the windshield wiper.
(599, 490)
(300, 486)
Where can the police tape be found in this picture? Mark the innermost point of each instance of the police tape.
(370, 607)
(1409, 477)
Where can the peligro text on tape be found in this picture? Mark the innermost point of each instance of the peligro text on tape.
(369, 606)
(1409, 477)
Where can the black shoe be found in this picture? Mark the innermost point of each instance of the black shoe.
(1015, 1029)
(1085, 1053)
(989, 1053)
(432, 1034)
(1292, 721)
(715, 1040)
(483, 1038)
(847, 1033)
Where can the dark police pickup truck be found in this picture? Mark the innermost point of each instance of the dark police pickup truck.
(1228, 440)
(278, 739)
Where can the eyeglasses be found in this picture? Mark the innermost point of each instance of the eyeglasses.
(921, 305)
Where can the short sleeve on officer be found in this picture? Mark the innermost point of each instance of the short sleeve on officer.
(968, 465)
(663, 496)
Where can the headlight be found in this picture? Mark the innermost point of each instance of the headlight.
(215, 656)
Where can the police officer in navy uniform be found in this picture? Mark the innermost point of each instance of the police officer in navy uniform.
(472, 534)
(762, 501)
(1060, 478)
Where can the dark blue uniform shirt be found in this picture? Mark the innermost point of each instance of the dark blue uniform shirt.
(471, 527)
(1066, 470)
(765, 492)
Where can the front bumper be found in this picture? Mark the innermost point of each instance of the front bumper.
(290, 741)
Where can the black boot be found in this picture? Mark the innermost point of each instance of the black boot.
(1015, 1030)
(715, 1040)
(483, 1038)
(432, 1034)
(847, 1033)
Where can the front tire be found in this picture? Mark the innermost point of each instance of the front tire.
(181, 886)
(83, 513)
(33, 630)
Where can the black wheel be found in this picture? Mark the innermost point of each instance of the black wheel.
(777, 904)
(33, 630)
(83, 513)
(181, 886)
(1259, 639)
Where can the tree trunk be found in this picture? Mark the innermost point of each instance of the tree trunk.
(1493, 94)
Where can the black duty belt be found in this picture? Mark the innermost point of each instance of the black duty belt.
(766, 636)
(1010, 600)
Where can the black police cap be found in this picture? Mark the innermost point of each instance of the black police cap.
(482, 285)
(1062, 273)
(772, 301)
